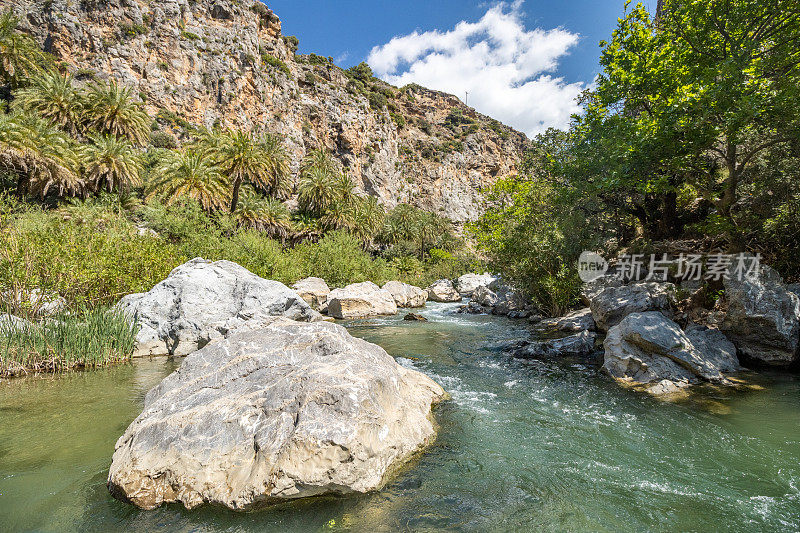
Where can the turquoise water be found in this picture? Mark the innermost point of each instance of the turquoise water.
(523, 445)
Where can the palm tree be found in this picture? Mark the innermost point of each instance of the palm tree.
(112, 162)
(264, 214)
(190, 174)
(316, 191)
(339, 215)
(53, 97)
(111, 109)
(244, 158)
(20, 56)
(369, 218)
(43, 157)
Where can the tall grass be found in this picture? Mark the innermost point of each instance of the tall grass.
(89, 339)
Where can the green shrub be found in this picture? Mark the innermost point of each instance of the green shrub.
(189, 35)
(132, 30)
(292, 42)
(275, 63)
(377, 101)
(162, 139)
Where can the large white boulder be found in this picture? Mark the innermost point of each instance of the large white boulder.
(647, 348)
(275, 411)
(443, 291)
(361, 300)
(611, 301)
(467, 283)
(201, 300)
(314, 291)
(406, 295)
(763, 318)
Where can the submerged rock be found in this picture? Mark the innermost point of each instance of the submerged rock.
(443, 291)
(580, 320)
(415, 317)
(201, 300)
(763, 318)
(275, 411)
(406, 295)
(468, 283)
(648, 348)
(361, 300)
(610, 301)
(576, 345)
(314, 291)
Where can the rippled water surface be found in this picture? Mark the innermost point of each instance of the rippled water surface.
(523, 445)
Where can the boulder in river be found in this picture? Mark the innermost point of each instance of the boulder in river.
(646, 348)
(580, 320)
(406, 295)
(201, 300)
(611, 301)
(314, 291)
(413, 317)
(467, 283)
(443, 291)
(575, 345)
(361, 300)
(275, 411)
(763, 318)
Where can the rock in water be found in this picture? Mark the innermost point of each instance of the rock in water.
(647, 348)
(361, 300)
(611, 302)
(763, 318)
(201, 300)
(467, 283)
(443, 291)
(415, 317)
(576, 345)
(406, 295)
(314, 291)
(580, 320)
(277, 411)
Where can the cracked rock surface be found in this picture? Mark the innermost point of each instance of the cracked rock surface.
(274, 411)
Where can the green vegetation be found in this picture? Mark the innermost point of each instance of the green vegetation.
(88, 339)
(275, 63)
(691, 133)
(98, 200)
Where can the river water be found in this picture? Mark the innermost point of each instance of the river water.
(523, 446)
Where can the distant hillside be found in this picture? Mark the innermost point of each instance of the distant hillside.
(226, 62)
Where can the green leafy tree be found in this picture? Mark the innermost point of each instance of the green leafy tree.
(190, 174)
(688, 103)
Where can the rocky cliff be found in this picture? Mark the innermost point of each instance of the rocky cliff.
(226, 62)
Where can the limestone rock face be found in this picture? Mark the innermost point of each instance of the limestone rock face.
(209, 61)
(580, 320)
(201, 300)
(443, 291)
(467, 283)
(361, 300)
(648, 348)
(275, 411)
(763, 318)
(406, 295)
(314, 291)
(612, 302)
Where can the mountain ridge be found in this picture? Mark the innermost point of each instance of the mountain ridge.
(227, 63)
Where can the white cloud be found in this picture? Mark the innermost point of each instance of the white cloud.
(505, 67)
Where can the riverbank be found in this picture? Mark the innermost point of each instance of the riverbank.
(524, 444)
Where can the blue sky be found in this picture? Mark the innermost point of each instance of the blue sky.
(522, 61)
